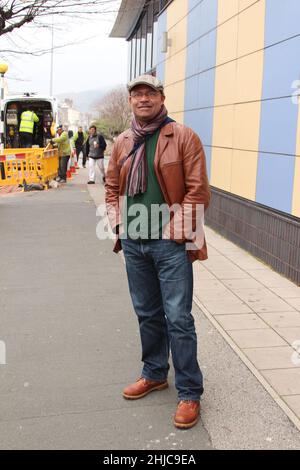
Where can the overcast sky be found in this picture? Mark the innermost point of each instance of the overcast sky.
(98, 61)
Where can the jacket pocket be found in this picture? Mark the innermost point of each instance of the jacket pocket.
(173, 177)
(168, 164)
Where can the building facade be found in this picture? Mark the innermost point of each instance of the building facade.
(68, 115)
(230, 72)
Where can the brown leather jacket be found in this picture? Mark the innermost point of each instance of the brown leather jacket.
(180, 168)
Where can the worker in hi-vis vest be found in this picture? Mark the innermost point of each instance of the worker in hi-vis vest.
(28, 119)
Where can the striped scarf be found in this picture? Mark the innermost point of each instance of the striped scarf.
(138, 171)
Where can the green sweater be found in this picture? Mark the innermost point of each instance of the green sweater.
(143, 222)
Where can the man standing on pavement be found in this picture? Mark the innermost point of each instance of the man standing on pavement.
(28, 119)
(64, 151)
(95, 147)
(160, 163)
(79, 141)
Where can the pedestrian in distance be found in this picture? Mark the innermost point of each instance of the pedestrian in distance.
(95, 146)
(79, 139)
(160, 163)
(64, 151)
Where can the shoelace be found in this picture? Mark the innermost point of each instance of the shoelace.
(189, 402)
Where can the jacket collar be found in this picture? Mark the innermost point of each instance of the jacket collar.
(168, 129)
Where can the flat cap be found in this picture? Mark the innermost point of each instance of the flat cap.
(148, 80)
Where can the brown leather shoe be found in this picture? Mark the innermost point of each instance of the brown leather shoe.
(142, 387)
(187, 414)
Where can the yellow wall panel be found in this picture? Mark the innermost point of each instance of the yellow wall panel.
(176, 58)
(249, 84)
(177, 36)
(237, 126)
(243, 177)
(221, 168)
(245, 4)
(175, 68)
(227, 9)
(246, 126)
(225, 84)
(251, 29)
(175, 97)
(177, 116)
(227, 41)
(176, 11)
(223, 126)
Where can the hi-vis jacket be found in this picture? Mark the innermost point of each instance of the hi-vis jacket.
(28, 118)
(64, 148)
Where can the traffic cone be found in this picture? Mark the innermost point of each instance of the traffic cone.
(71, 161)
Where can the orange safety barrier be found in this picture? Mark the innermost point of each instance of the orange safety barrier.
(33, 165)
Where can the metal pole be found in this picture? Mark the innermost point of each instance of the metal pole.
(51, 66)
(2, 124)
(2, 113)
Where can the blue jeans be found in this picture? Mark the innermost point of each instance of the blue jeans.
(160, 278)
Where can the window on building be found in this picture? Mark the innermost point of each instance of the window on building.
(143, 54)
(138, 53)
(133, 57)
(129, 60)
(143, 44)
(149, 42)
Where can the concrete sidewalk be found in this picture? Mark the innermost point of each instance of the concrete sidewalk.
(73, 343)
(258, 312)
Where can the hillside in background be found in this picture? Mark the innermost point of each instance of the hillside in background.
(84, 100)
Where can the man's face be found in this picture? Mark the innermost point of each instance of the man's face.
(59, 131)
(79, 129)
(92, 131)
(145, 102)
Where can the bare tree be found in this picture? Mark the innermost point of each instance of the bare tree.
(114, 112)
(16, 13)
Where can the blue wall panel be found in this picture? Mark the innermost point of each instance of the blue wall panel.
(280, 68)
(279, 116)
(194, 3)
(282, 20)
(275, 173)
(193, 58)
(278, 126)
(201, 55)
(275, 177)
(206, 88)
(192, 98)
(161, 57)
(201, 121)
(207, 51)
(202, 18)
